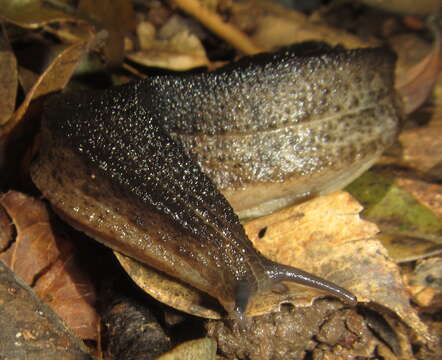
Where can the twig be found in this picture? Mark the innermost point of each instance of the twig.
(215, 23)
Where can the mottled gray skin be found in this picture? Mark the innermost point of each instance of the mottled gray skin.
(295, 117)
(109, 166)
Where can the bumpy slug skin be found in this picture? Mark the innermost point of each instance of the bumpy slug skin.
(109, 167)
(274, 128)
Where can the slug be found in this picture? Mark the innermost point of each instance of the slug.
(109, 166)
(275, 128)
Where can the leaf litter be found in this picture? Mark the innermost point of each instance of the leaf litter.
(265, 25)
(48, 262)
(29, 328)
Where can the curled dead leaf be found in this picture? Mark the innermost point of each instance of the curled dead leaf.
(422, 146)
(415, 84)
(170, 291)
(276, 25)
(173, 47)
(34, 236)
(32, 14)
(47, 262)
(54, 78)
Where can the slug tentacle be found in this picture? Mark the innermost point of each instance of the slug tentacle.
(280, 272)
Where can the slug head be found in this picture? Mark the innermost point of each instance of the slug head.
(272, 278)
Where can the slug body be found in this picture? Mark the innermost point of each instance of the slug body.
(110, 167)
(274, 128)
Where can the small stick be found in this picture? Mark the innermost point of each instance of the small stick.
(216, 24)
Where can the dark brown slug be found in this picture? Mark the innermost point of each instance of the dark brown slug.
(109, 166)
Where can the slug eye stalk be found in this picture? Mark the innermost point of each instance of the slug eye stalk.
(275, 275)
(279, 272)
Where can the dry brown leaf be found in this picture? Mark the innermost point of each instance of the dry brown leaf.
(35, 248)
(173, 47)
(29, 328)
(326, 236)
(68, 291)
(201, 349)
(422, 146)
(8, 79)
(426, 193)
(425, 283)
(275, 25)
(27, 78)
(47, 262)
(415, 83)
(53, 79)
(404, 249)
(170, 291)
(32, 14)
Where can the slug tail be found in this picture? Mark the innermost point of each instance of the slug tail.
(280, 272)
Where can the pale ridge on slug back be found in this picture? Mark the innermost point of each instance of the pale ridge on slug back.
(110, 169)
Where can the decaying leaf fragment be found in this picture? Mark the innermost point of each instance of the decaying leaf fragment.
(415, 84)
(201, 349)
(172, 47)
(422, 146)
(48, 262)
(272, 25)
(425, 283)
(29, 328)
(32, 14)
(54, 78)
(410, 229)
(327, 237)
